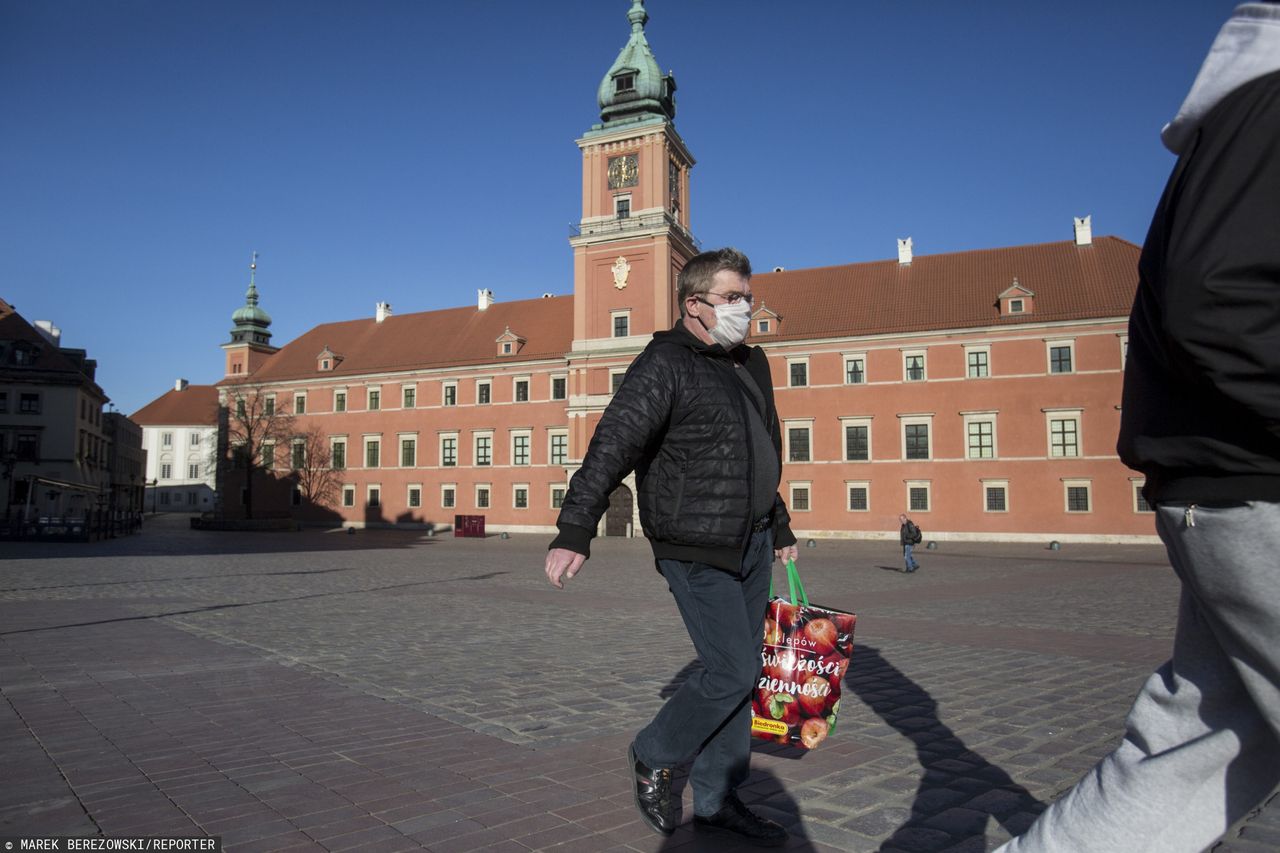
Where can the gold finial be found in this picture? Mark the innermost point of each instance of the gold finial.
(253, 267)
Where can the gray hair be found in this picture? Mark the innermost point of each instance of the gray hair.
(695, 278)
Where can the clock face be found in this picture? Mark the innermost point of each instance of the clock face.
(624, 171)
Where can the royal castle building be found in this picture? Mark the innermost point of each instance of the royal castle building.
(978, 391)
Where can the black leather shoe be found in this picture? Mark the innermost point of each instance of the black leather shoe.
(652, 790)
(734, 818)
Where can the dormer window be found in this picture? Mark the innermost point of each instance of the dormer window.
(1016, 299)
(762, 327)
(327, 359)
(509, 343)
(624, 83)
(1016, 306)
(506, 348)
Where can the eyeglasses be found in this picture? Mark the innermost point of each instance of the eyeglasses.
(733, 297)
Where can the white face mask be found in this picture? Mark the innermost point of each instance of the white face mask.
(732, 322)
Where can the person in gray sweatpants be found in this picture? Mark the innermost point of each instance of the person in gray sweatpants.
(1201, 419)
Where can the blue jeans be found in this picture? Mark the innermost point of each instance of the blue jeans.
(710, 715)
(906, 555)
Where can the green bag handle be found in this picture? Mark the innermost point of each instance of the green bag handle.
(798, 594)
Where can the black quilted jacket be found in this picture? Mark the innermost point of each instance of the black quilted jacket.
(679, 420)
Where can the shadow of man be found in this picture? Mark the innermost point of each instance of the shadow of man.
(959, 789)
(765, 795)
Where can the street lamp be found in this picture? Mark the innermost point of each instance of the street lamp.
(154, 483)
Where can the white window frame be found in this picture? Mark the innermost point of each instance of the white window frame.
(476, 435)
(927, 485)
(855, 356)
(368, 494)
(1049, 347)
(366, 440)
(924, 365)
(401, 438)
(528, 389)
(527, 434)
(1077, 483)
(551, 494)
(166, 439)
(368, 398)
(299, 395)
(617, 202)
(444, 393)
(808, 377)
(764, 325)
(796, 423)
(615, 372)
(335, 440)
(193, 439)
(551, 387)
(487, 488)
(845, 423)
(994, 484)
(408, 496)
(340, 393)
(984, 349)
(1076, 415)
(1124, 351)
(849, 486)
(457, 450)
(515, 487)
(348, 495)
(447, 487)
(409, 386)
(1017, 305)
(980, 418)
(624, 313)
(915, 420)
(489, 384)
(552, 434)
(791, 495)
(1136, 485)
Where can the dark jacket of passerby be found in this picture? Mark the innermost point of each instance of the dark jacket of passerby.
(680, 420)
(907, 533)
(1201, 405)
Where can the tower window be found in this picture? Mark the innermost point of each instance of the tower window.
(624, 83)
(622, 207)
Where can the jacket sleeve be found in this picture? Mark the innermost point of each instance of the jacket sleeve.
(1222, 286)
(633, 422)
(782, 535)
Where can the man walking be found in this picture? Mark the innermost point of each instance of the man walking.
(908, 536)
(695, 418)
(1201, 418)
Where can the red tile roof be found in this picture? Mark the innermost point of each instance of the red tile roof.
(453, 336)
(196, 404)
(956, 290)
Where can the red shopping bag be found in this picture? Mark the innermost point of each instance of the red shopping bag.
(805, 654)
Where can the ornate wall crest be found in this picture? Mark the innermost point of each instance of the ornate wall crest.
(621, 269)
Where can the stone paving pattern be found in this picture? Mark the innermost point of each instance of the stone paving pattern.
(391, 691)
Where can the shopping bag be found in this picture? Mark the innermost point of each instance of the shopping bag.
(804, 657)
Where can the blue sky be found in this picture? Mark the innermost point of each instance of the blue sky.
(411, 152)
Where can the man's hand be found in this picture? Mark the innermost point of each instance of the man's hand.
(563, 563)
(786, 552)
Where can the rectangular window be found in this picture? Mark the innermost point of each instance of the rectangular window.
(798, 444)
(800, 497)
(449, 451)
(1139, 500)
(482, 497)
(857, 442)
(299, 404)
(615, 380)
(348, 495)
(409, 397)
(269, 405)
(859, 497)
(1064, 439)
(622, 207)
(913, 367)
(375, 399)
(448, 496)
(521, 497)
(557, 496)
(1077, 498)
(166, 439)
(166, 472)
(798, 374)
(193, 471)
(520, 449)
(855, 370)
(268, 455)
(450, 394)
(916, 441)
(340, 403)
(981, 438)
(240, 408)
(338, 455)
(193, 439)
(28, 449)
(415, 496)
(918, 498)
(484, 450)
(1060, 358)
(521, 393)
(559, 448)
(621, 325)
(978, 360)
(408, 452)
(559, 387)
(996, 499)
(372, 452)
(297, 455)
(483, 390)
(375, 496)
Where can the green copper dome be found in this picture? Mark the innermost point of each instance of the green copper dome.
(250, 323)
(634, 88)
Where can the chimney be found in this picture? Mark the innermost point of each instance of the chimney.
(904, 251)
(779, 269)
(1084, 230)
(180, 385)
(49, 332)
(384, 311)
(485, 298)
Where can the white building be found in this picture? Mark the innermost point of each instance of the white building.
(179, 432)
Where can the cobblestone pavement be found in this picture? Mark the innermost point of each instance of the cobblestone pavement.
(390, 691)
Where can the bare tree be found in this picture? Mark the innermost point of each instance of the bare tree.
(312, 461)
(252, 427)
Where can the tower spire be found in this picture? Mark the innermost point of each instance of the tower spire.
(634, 89)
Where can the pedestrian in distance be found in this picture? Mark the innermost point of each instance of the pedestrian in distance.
(695, 419)
(909, 536)
(1201, 419)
